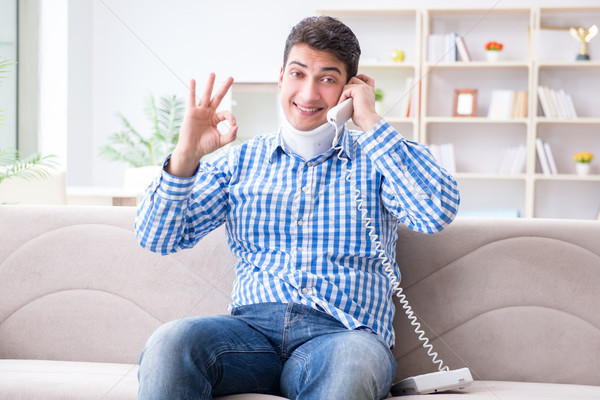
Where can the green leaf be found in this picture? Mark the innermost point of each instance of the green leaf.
(35, 166)
(135, 149)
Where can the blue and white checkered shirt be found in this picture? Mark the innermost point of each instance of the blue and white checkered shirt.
(294, 224)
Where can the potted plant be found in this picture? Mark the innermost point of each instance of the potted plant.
(145, 153)
(493, 50)
(582, 162)
(379, 95)
(12, 163)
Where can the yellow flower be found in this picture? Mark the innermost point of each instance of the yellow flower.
(584, 157)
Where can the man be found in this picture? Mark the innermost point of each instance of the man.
(312, 310)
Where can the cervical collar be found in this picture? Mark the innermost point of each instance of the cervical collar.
(307, 144)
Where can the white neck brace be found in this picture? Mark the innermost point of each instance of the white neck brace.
(307, 144)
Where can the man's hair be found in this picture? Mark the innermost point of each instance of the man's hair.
(326, 34)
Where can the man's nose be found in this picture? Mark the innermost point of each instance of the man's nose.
(310, 91)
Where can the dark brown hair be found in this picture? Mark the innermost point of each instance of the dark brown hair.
(326, 34)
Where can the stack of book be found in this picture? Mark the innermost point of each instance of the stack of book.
(545, 156)
(506, 104)
(556, 103)
(444, 154)
(447, 47)
(513, 160)
(410, 98)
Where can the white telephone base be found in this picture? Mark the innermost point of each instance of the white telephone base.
(434, 382)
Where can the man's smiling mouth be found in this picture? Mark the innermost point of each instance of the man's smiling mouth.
(308, 110)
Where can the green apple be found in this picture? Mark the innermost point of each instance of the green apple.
(397, 55)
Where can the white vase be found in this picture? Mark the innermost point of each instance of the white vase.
(493, 55)
(583, 169)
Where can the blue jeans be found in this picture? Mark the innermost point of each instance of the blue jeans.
(283, 349)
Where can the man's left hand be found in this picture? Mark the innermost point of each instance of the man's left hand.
(362, 90)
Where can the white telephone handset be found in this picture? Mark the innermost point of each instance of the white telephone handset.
(444, 379)
(338, 116)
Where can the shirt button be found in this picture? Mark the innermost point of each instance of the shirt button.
(305, 189)
(405, 167)
(380, 140)
(300, 222)
(305, 291)
(309, 164)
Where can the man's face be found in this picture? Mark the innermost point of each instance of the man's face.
(310, 83)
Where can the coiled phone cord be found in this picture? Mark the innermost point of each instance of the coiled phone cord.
(386, 262)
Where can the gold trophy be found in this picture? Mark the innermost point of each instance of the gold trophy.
(584, 36)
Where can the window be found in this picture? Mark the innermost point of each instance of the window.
(8, 83)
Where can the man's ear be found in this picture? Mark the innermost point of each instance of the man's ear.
(280, 78)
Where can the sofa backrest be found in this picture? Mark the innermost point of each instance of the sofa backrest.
(76, 286)
(512, 299)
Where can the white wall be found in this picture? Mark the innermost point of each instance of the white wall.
(120, 51)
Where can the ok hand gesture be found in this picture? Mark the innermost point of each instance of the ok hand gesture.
(199, 135)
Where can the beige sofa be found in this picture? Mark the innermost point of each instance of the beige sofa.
(516, 300)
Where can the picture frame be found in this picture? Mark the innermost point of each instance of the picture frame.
(465, 103)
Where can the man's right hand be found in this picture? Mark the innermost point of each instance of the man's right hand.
(199, 135)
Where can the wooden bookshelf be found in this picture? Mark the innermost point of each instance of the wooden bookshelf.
(528, 62)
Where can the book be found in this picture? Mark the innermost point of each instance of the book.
(450, 47)
(501, 104)
(545, 157)
(513, 160)
(435, 48)
(543, 101)
(524, 109)
(550, 158)
(518, 164)
(520, 104)
(505, 104)
(461, 46)
(541, 153)
(444, 154)
(413, 109)
(406, 97)
(568, 102)
(442, 48)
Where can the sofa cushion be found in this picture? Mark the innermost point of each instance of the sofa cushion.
(67, 380)
(505, 390)
(41, 379)
(50, 380)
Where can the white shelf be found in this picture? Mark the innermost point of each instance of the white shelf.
(473, 120)
(399, 120)
(478, 64)
(387, 65)
(577, 121)
(480, 142)
(568, 64)
(568, 177)
(366, 12)
(519, 71)
(474, 176)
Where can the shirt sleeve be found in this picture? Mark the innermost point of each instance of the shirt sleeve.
(175, 213)
(415, 189)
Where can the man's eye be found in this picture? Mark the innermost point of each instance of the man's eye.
(328, 80)
(296, 74)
